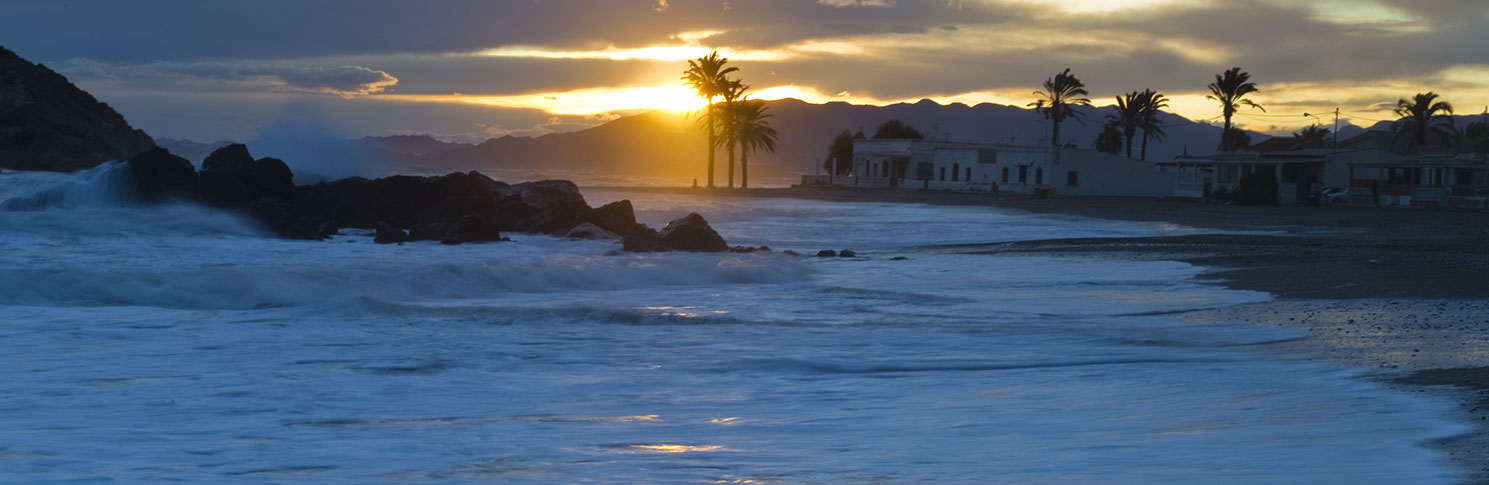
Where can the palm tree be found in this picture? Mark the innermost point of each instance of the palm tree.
(753, 133)
(1152, 103)
(1129, 115)
(1230, 89)
(732, 92)
(1056, 100)
(1312, 132)
(707, 75)
(1423, 115)
(1478, 133)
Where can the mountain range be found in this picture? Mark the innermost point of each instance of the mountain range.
(668, 148)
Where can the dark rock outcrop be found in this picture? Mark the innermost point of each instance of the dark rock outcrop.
(225, 177)
(453, 209)
(591, 231)
(389, 235)
(692, 233)
(617, 217)
(827, 253)
(47, 123)
(429, 231)
(160, 176)
(272, 178)
(472, 228)
(642, 239)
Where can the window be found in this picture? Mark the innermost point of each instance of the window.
(1039, 175)
(1005, 175)
(956, 168)
(1023, 174)
(943, 174)
(969, 175)
(1070, 178)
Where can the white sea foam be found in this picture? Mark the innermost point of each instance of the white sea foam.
(172, 343)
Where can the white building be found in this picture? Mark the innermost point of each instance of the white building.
(943, 165)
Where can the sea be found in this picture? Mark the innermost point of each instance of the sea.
(174, 343)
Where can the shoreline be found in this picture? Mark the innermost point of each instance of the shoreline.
(1400, 293)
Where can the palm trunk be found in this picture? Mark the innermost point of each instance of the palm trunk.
(1145, 144)
(712, 138)
(1055, 142)
(744, 169)
(731, 165)
(1129, 144)
(1224, 145)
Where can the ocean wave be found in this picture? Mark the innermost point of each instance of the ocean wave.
(267, 274)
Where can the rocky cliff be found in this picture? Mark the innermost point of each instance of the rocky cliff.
(47, 123)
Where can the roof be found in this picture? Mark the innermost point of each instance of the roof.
(1281, 144)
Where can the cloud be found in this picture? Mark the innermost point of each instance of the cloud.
(345, 81)
(1306, 56)
(857, 3)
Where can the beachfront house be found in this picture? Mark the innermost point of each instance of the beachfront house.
(1421, 180)
(1369, 165)
(1298, 172)
(983, 167)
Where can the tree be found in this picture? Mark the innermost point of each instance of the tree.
(732, 92)
(1313, 132)
(1152, 103)
(1056, 101)
(1478, 134)
(707, 75)
(753, 132)
(839, 154)
(897, 130)
(1235, 137)
(1425, 115)
(1129, 115)
(1109, 140)
(1230, 89)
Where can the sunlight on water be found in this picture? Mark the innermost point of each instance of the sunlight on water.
(677, 448)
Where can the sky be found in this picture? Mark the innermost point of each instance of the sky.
(467, 70)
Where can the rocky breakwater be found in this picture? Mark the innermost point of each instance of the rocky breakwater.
(453, 209)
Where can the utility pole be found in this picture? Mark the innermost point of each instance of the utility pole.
(1336, 131)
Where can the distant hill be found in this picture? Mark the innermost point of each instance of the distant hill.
(190, 150)
(47, 123)
(408, 144)
(668, 148)
(666, 145)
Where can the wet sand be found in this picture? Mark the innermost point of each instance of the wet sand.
(1403, 292)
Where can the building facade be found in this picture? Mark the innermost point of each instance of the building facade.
(978, 167)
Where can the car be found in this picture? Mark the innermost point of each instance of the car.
(1332, 195)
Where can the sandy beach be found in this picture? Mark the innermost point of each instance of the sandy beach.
(1401, 292)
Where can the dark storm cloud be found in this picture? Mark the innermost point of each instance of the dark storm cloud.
(876, 49)
(338, 80)
(150, 30)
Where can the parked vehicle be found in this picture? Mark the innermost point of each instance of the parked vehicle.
(1331, 195)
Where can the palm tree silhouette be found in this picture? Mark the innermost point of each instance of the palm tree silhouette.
(753, 132)
(1423, 115)
(1129, 115)
(1312, 132)
(1230, 89)
(707, 75)
(732, 92)
(1152, 103)
(1055, 102)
